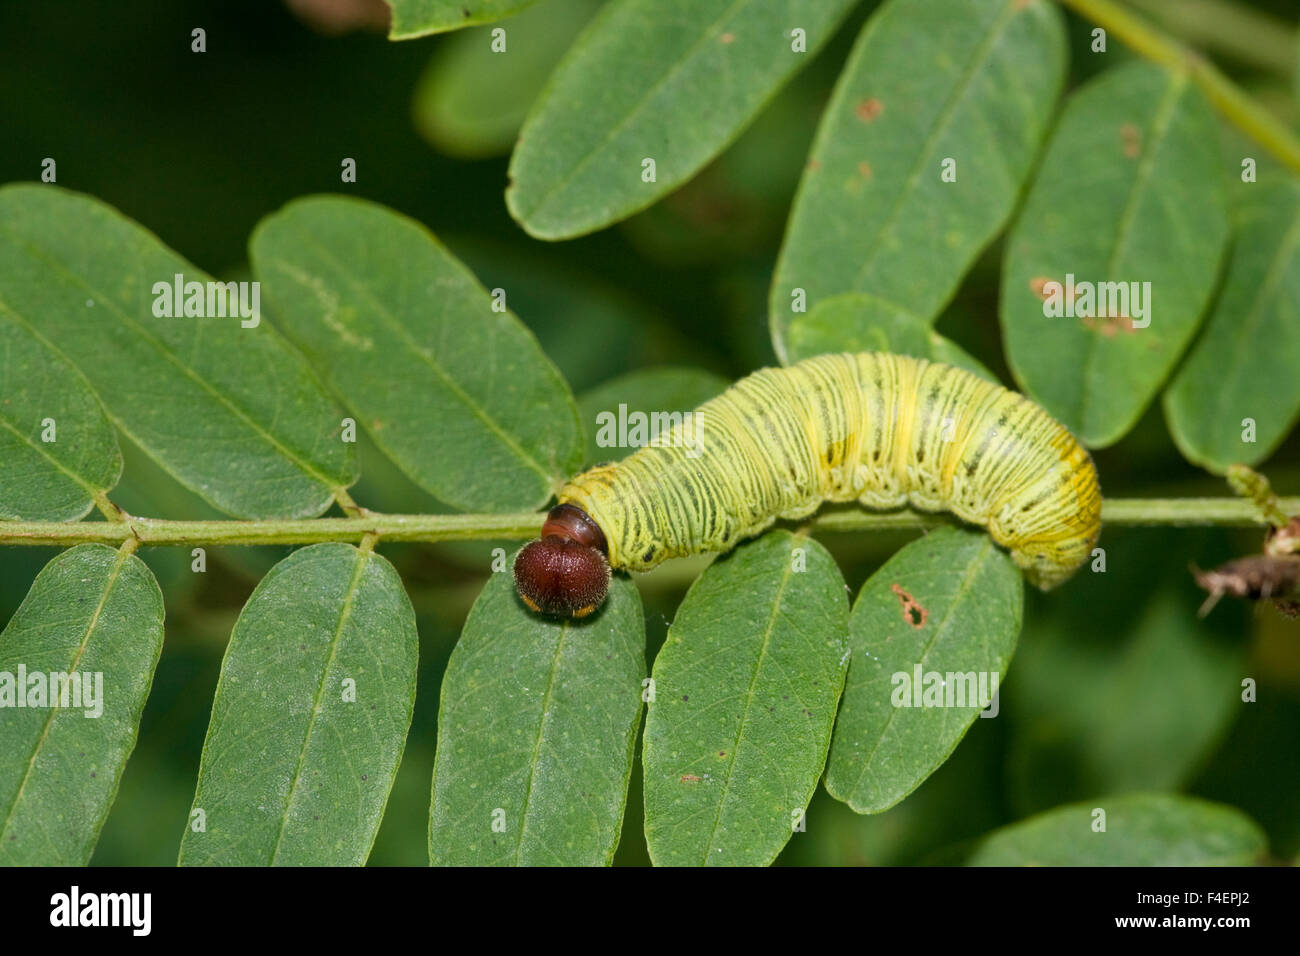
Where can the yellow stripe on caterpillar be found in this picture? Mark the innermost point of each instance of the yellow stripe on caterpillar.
(884, 430)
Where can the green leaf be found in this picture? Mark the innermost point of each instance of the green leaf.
(459, 395)
(536, 727)
(1130, 191)
(650, 391)
(929, 80)
(734, 209)
(54, 480)
(310, 716)
(1246, 364)
(232, 412)
(1142, 829)
(745, 695)
(670, 80)
(949, 606)
(856, 322)
(96, 615)
(418, 18)
(471, 101)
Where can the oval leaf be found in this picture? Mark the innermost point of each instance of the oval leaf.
(611, 413)
(536, 727)
(672, 81)
(1141, 829)
(930, 82)
(471, 100)
(417, 18)
(76, 663)
(459, 395)
(856, 322)
(310, 716)
(58, 451)
(932, 634)
(745, 693)
(1245, 365)
(231, 411)
(1150, 227)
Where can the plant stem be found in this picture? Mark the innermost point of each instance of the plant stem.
(1237, 107)
(1234, 29)
(1234, 512)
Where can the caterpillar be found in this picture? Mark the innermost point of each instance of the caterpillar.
(885, 430)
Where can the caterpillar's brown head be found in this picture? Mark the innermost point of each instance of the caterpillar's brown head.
(566, 573)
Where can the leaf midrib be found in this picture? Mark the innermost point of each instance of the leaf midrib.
(1263, 292)
(976, 564)
(169, 356)
(537, 747)
(786, 571)
(109, 585)
(1157, 131)
(403, 333)
(669, 74)
(963, 88)
(345, 613)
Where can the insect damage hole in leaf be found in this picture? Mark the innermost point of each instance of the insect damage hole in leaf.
(890, 736)
(913, 613)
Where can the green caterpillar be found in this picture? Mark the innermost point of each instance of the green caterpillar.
(885, 430)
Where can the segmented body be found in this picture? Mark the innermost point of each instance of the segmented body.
(885, 430)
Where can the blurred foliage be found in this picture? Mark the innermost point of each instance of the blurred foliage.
(1116, 685)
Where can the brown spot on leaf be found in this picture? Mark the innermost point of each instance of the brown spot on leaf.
(690, 778)
(868, 110)
(864, 169)
(814, 165)
(1109, 325)
(1131, 138)
(727, 38)
(1038, 286)
(913, 613)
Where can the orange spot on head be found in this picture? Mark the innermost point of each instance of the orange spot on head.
(868, 110)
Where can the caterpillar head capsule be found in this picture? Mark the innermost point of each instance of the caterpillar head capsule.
(566, 573)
